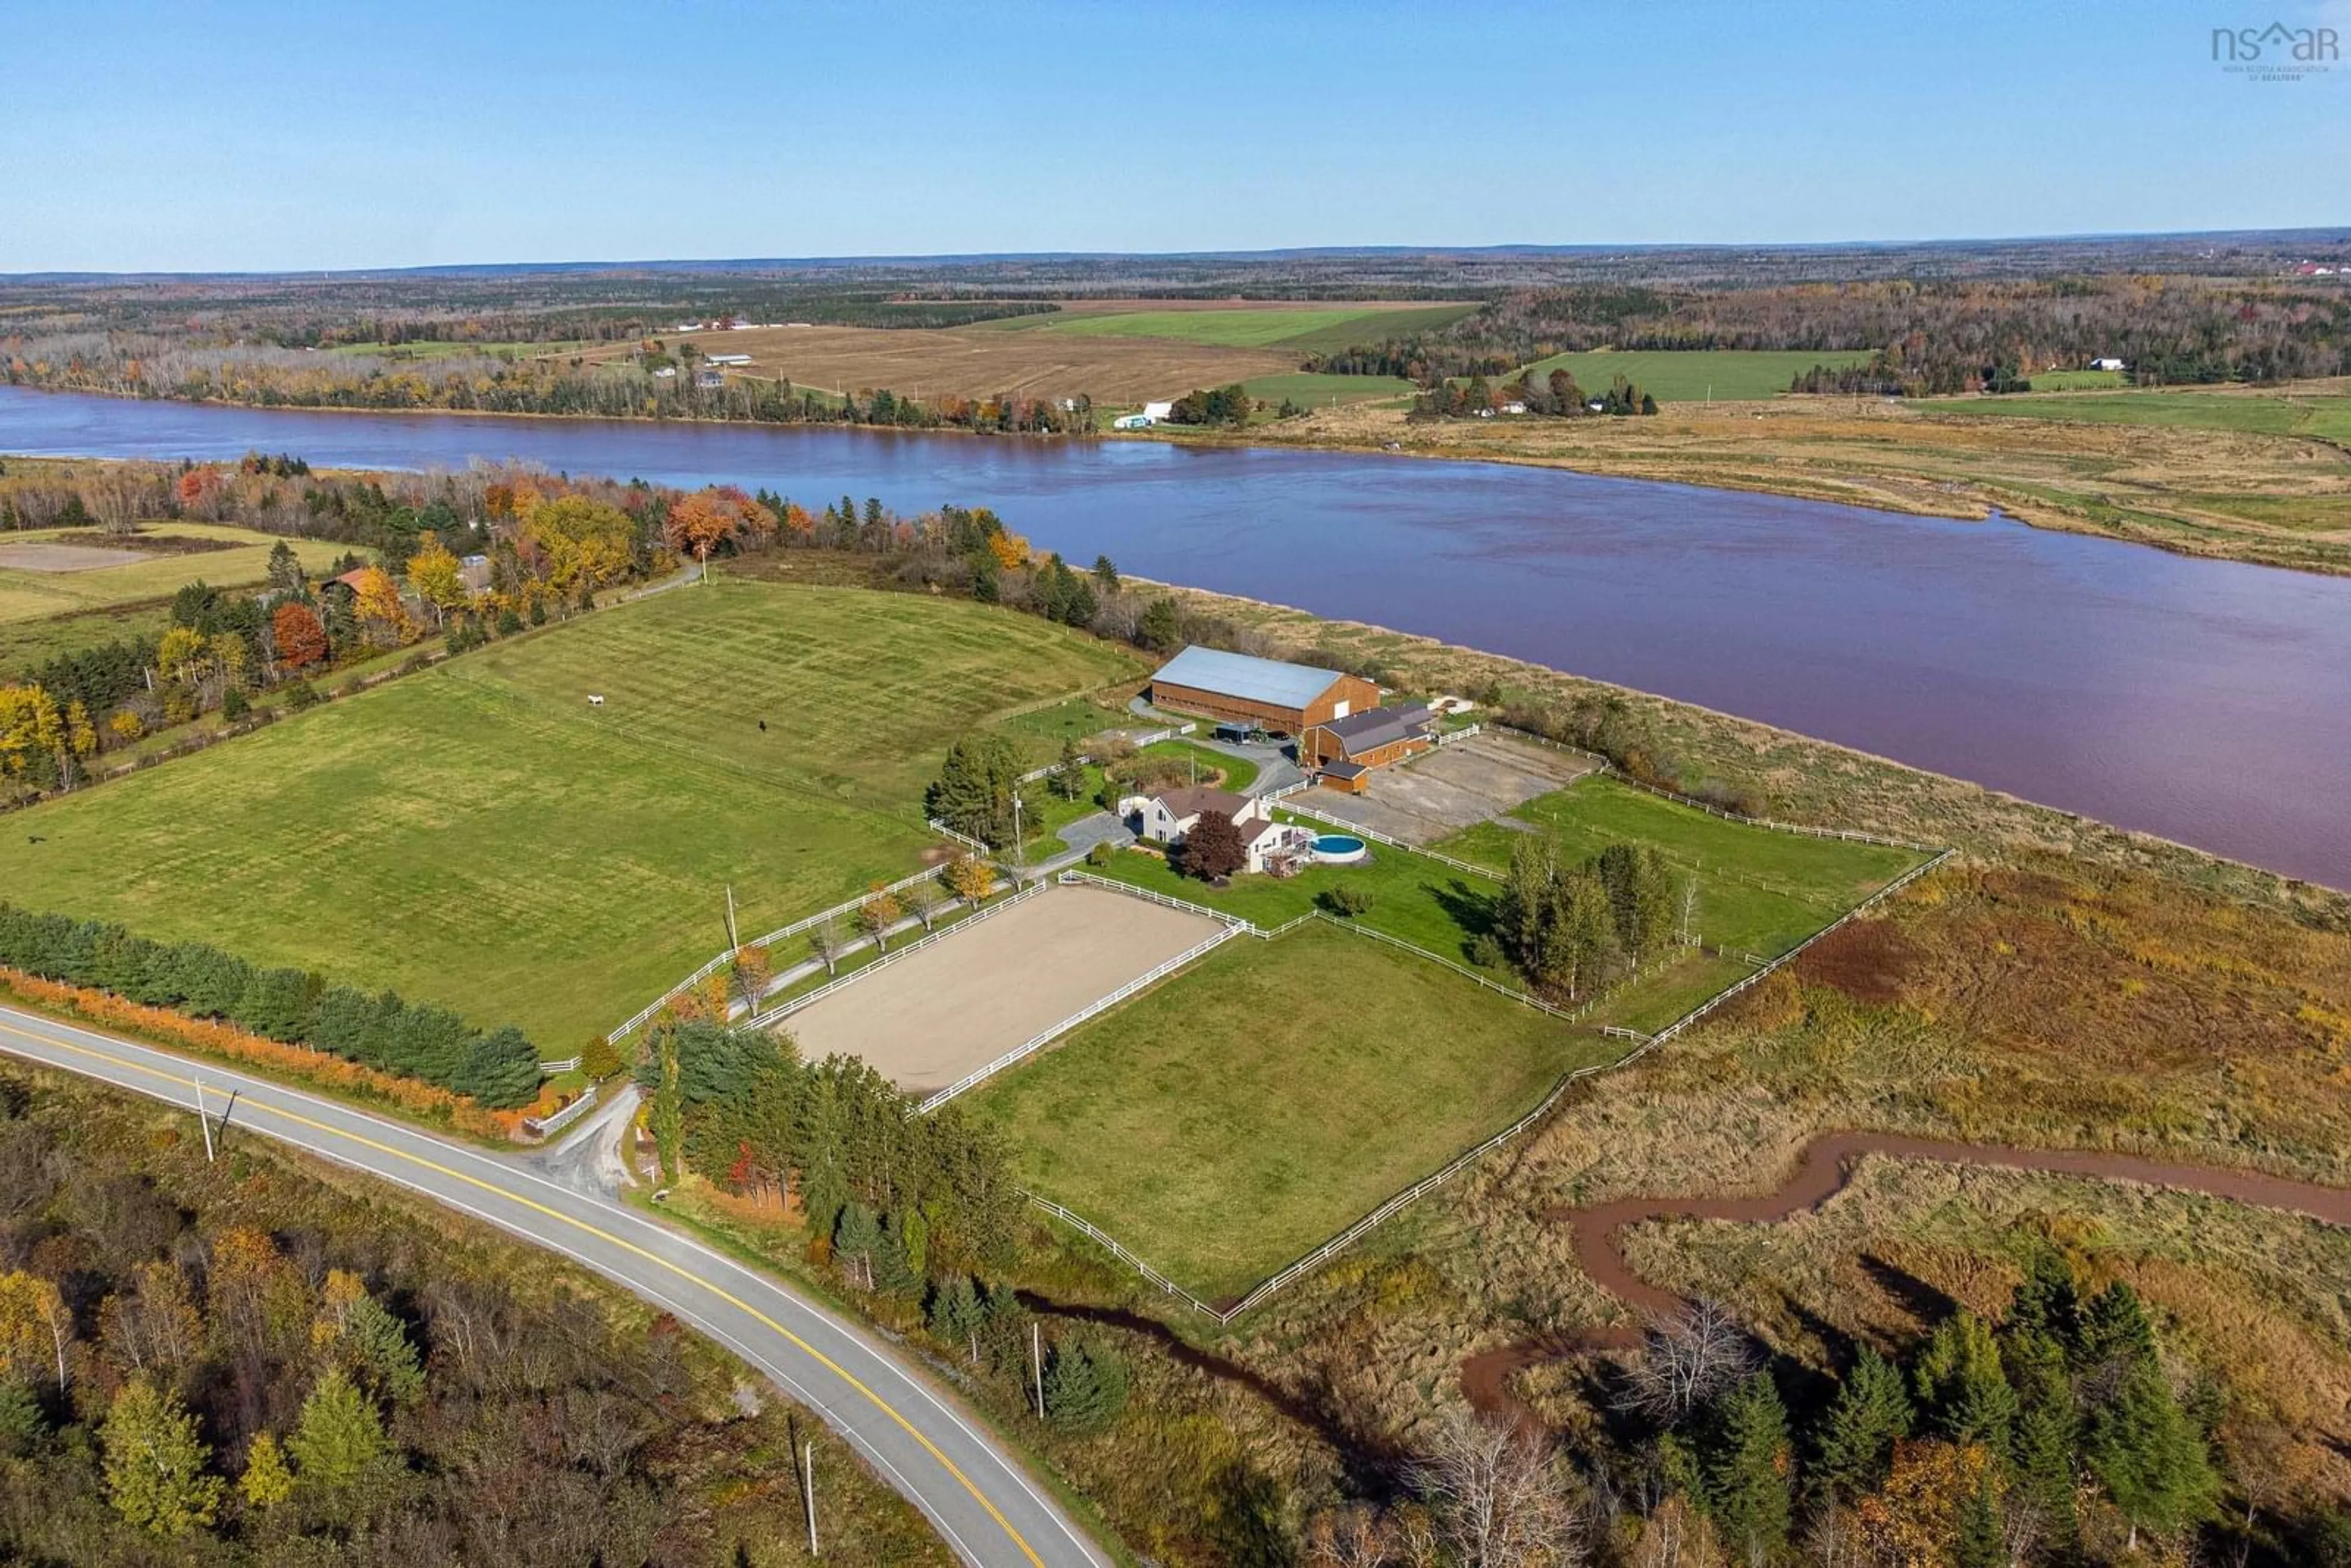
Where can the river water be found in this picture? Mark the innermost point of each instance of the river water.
(2206, 701)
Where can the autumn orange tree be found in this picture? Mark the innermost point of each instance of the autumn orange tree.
(712, 517)
(300, 637)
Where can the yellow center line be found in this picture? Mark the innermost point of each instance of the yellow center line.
(718, 1291)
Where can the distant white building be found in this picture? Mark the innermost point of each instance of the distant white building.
(2108, 364)
(1158, 410)
(726, 359)
(1514, 408)
(1132, 422)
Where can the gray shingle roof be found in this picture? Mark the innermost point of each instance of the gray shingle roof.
(1268, 681)
(1378, 726)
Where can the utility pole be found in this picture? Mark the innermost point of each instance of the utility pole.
(1036, 1363)
(807, 1490)
(1020, 845)
(203, 1121)
(733, 941)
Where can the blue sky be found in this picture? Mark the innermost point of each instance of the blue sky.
(248, 134)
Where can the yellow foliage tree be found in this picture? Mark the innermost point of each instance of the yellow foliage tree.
(377, 604)
(581, 545)
(1912, 1521)
(36, 1329)
(30, 724)
(435, 576)
(266, 1482)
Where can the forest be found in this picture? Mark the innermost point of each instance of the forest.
(248, 1362)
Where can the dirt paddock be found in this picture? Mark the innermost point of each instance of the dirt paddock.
(1468, 782)
(40, 555)
(959, 1004)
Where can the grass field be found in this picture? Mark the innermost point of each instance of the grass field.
(1233, 1118)
(1730, 375)
(2326, 415)
(1302, 328)
(476, 835)
(1315, 391)
(1759, 891)
(1414, 898)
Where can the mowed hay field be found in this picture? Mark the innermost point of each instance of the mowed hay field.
(2318, 408)
(1298, 328)
(52, 603)
(974, 362)
(1692, 375)
(1237, 1116)
(476, 835)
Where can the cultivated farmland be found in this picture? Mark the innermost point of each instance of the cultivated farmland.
(1233, 1118)
(64, 590)
(476, 835)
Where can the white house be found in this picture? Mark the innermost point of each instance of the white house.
(1155, 410)
(2108, 364)
(1166, 816)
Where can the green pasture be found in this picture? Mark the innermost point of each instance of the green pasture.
(1317, 391)
(1692, 375)
(1237, 1116)
(1758, 891)
(1307, 328)
(146, 575)
(478, 835)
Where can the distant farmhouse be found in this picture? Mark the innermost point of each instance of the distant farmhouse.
(1263, 694)
(2105, 364)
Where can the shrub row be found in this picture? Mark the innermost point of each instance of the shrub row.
(499, 1068)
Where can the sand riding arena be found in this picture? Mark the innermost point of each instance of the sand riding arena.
(983, 989)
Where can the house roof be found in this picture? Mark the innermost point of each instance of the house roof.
(1344, 770)
(1377, 727)
(1268, 681)
(1193, 800)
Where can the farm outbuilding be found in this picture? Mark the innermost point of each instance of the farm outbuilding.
(1265, 693)
(1344, 750)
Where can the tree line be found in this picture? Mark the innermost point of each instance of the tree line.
(236, 1364)
(1555, 396)
(1575, 930)
(1930, 335)
(498, 1069)
(633, 387)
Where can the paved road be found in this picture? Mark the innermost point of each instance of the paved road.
(978, 1497)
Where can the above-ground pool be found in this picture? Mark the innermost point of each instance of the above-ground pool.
(1340, 849)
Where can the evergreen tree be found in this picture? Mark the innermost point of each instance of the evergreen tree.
(954, 1314)
(2113, 1334)
(22, 1424)
(1962, 1385)
(1857, 1442)
(339, 1440)
(1976, 1539)
(1069, 773)
(2150, 1456)
(1746, 1463)
(154, 1464)
(1085, 1386)
(2045, 1302)
(856, 1237)
(1161, 628)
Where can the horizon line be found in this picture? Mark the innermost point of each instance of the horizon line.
(951, 258)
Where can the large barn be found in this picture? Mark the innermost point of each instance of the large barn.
(1265, 693)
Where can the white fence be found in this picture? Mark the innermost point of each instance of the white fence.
(565, 1117)
(1111, 1244)
(549, 1068)
(723, 959)
(1225, 933)
(785, 1008)
(1487, 873)
(966, 840)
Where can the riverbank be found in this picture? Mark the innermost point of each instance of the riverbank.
(1803, 778)
(2235, 495)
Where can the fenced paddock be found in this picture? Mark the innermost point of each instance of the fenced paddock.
(1470, 780)
(940, 1015)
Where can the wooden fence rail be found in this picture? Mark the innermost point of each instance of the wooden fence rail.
(785, 1008)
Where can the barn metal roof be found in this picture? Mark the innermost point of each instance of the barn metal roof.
(1268, 681)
